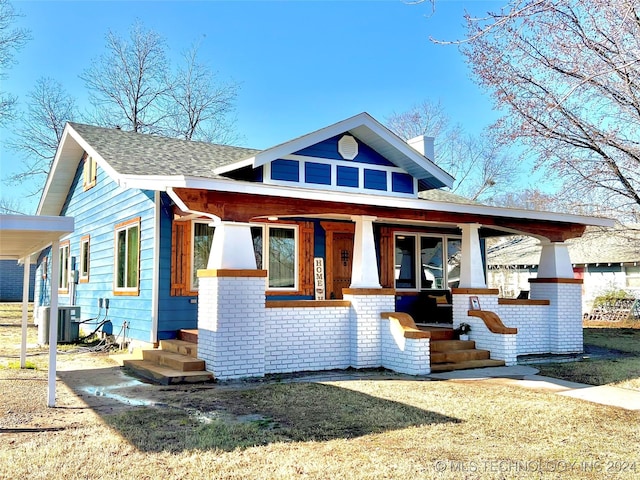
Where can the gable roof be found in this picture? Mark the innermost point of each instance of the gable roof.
(369, 131)
(131, 153)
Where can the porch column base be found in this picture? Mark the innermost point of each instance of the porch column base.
(471, 266)
(365, 328)
(231, 322)
(364, 270)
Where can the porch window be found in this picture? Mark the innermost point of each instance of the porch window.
(84, 259)
(63, 275)
(424, 255)
(202, 237)
(127, 261)
(405, 261)
(277, 252)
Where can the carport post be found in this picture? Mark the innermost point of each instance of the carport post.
(26, 265)
(53, 321)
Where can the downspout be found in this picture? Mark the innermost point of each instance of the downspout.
(156, 269)
(183, 206)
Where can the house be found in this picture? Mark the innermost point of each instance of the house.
(604, 259)
(12, 281)
(306, 256)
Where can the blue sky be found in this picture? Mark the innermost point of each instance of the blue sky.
(301, 65)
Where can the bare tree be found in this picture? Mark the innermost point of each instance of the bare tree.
(198, 106)
(11, 206)
(128, 82)
(478, 164)
(49, 107)
(12, 39)
(567, 72)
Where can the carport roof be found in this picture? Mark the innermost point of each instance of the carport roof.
(21, 236)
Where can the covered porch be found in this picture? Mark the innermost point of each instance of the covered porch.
(373, 265)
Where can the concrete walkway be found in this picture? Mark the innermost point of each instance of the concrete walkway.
(527, 377)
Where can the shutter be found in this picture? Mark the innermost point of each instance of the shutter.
(178, 274)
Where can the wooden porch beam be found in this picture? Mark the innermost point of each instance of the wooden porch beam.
(242, 207)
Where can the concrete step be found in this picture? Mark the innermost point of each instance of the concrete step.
(447, 367)
(183, 347)
(447, 345)
(165, 375)
(455, 356)
(177, 361)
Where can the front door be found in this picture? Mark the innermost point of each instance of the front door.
(342, 259)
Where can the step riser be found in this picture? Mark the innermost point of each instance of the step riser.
(456, 356)
(188, 335)
(448, 367)
(180, 346)
(171, 360)
(448, 345)
(155, 373)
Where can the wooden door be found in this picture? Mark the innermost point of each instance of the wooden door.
(342, 260)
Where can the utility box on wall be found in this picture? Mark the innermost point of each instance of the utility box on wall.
(68, 324)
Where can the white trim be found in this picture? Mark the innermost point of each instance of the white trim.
(128, 225)
(225, 185)
(363, 127)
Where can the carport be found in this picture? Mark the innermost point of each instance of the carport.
(22, 237)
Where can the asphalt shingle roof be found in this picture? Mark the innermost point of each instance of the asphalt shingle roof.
(130, 153)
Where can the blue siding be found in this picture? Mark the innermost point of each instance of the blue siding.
(375, 179)
(319, 173)
(174, 312)
(12, 279)
(347, 176)
(329, 149)
(401, 182)
(97, 211)
(287, 170)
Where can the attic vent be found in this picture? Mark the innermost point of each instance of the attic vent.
(348, 147)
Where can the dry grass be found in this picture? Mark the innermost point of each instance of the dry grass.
(621, 371)
(395, 428)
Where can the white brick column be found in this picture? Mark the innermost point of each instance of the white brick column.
(564, 313)
(365, 333)
(231, 322)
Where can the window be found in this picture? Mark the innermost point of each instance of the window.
(425, 254)
(127, 258)
(63, 276)
(84, 259)
(89, 172)
(278, 254)
(202, 237)
(632, 277)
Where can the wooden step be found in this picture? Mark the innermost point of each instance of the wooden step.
(447, 367)
(437, 333)
(189, 349)
(165, 375)
(447, 345)
(456, 356)
(177, 361)
(188, 335)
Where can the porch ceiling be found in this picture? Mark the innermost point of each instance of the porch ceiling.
(243, 207)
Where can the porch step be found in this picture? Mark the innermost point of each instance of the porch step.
(165, 375)
(459, 356)
(448, 355)
(175, 362)
(188, 335)
(447, 367)
(446, 345)
(437, 333)
(180, 346)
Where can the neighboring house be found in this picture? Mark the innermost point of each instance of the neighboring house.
(604, 259)
(286, 259)
(12, 280)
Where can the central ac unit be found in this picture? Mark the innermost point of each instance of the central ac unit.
(68, 324)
